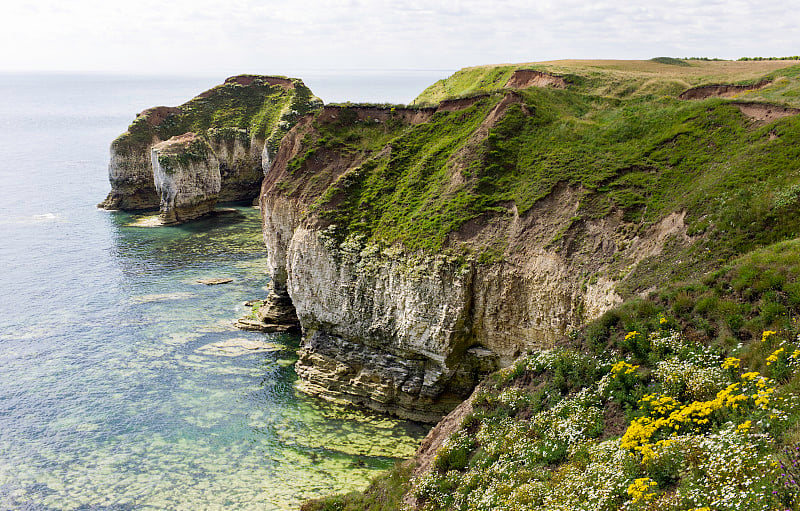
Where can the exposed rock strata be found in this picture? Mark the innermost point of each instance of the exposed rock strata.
(720, 91)
(412, 334)
(273, 314)
(242, 122)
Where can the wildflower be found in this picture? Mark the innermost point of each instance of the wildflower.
(766, 335)
(744, 427)
(639, 490)
(731, 363)
(751, 375)
(662, 320)
(774, 357)
(623, 367)
(631, 335)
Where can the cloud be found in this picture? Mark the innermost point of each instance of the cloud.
(258, 36)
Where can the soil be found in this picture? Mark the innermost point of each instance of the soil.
(765, 112)
(720, 91)
(156, 115)
(524, 78)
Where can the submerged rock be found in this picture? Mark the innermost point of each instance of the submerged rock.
(237, 347)
(214, 282)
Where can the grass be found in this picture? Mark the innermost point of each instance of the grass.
(227, 112)
(617, 78)
(385, 493)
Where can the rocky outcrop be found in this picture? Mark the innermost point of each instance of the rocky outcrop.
(186, 176)
(273, 314)
(130, 169)
(411, 334)
(242, 122)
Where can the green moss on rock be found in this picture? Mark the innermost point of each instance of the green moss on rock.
(245, 107)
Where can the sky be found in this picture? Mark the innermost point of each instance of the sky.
(283, 37)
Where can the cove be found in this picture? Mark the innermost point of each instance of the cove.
(159, 402)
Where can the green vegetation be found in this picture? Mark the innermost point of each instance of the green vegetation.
(794, 57)
(397, 195)
(705, 59)
(671, 61)
(684, 400)
(184, 154)
(645, 155)
(385, 493)
(225, 113)
(617, 78)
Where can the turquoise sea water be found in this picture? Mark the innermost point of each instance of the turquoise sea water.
(123, 384)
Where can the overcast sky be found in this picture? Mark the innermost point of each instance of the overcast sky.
(236, 36)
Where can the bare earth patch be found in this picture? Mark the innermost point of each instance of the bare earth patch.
(524, 78)
(764, 112)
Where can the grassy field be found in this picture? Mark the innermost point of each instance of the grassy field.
(621, 78)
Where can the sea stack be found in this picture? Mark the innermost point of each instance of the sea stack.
(226, 137)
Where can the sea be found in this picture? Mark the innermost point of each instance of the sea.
(123, 383)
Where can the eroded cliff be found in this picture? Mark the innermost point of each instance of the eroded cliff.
(424, 247)
(240, 122)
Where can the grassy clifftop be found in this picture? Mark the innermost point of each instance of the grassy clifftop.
(624, 78)
(730, 163)
(244, 107)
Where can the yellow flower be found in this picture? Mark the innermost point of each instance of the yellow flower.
(631, 336)
(744, 427)
(662, 320)
(766, 335)
(731, 363)
(751, 375)
(774, 357)
(639, 490)
(623, 367)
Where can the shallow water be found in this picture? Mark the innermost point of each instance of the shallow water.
(123, 384)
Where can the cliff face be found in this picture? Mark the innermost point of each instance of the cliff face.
(241, 122)
(412, 335)
(424, 247)
(129, 169)
(187, 175)
(408, 332)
